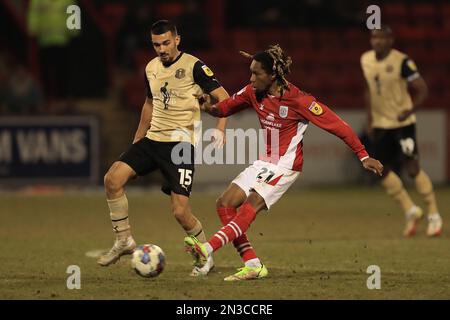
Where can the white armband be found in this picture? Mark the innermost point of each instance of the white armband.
(364, 158)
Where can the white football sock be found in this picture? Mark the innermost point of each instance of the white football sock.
(253, 263)
(208, 248)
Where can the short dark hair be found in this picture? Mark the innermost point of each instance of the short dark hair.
(163, 26)
(385, 29)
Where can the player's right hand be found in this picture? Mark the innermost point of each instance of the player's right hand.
(373, 165)
(404, 115)
(218, 137)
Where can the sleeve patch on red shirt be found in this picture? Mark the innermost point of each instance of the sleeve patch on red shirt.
(315, 108)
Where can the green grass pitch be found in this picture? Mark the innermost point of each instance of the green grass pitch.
(316, 243)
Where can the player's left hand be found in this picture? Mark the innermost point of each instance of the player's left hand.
(404, 115)
(373, 165)
(218, 138)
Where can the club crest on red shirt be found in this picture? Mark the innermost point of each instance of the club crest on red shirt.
(283, 111)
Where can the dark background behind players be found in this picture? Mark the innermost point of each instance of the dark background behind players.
(103, 61)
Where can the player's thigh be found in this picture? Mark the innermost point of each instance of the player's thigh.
(272, 182)
(140, 157)
(385, 147)
(178, 172)
(118, 175)
(232, 197)
(256, 201)
(408, 149)
(244, 181)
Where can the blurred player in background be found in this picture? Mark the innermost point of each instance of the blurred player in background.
(389, 73)
(168, 117)
(282, 109)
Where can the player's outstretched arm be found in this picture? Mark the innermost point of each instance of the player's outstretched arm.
(373, 165)
(323, 117)
(146, 119)
(238, 102)
(206, 104)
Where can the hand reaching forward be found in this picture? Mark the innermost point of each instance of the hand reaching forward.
(204, 100)
(373, 165)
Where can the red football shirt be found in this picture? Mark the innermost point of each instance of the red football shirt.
(286, 119)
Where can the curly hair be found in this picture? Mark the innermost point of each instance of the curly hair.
(273, 61)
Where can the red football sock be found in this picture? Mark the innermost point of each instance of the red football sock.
(235, 228)
(242, 244)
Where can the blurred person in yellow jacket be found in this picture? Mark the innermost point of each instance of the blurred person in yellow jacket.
(47, 22)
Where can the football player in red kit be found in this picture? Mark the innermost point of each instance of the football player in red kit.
(282, 109)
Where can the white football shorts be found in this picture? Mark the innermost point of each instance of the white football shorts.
(269, 180)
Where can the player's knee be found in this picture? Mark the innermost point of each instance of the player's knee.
(222, 202)
(413, 172)
(226, 201)
(111, 182)
(413, 169)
